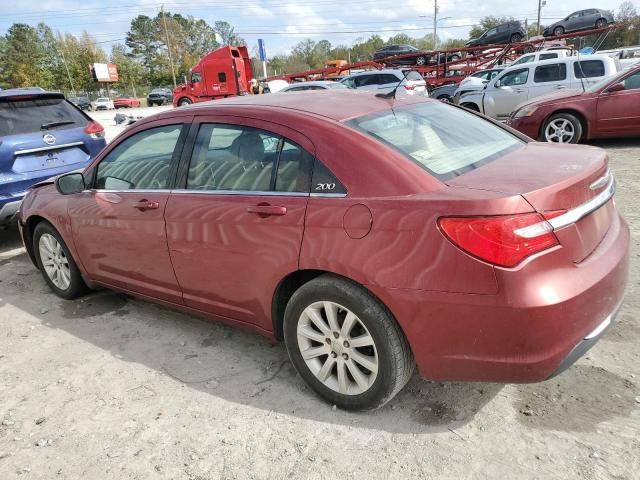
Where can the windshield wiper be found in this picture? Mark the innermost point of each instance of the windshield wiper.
(46, 126)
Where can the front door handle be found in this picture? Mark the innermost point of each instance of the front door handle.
(266, 210)
(143, 205)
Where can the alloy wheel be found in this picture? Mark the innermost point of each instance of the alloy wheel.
(337, 348)
(420, 61)
(559, 130)
(54, 261)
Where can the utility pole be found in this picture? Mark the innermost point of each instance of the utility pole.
(166, 34)
(539, 8)
(435, 24)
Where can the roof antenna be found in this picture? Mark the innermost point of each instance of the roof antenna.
(392, 93)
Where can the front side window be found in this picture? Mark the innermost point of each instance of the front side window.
(445, 141)
(527, 59)
(196, 77)
(550, 73)
(515, 78)
(493, 31)
(141, 162)
(240, 158)
(548, 56)
(632, 82)
(588, 68)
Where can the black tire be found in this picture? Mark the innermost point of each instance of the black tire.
(454, 58)
(601, 23)
(471, 106)
(421, 61)
(395, 359)
(445, 99)
(516, 37)
(558, 31)
(575, 122)
(76, 287)
(183, 102)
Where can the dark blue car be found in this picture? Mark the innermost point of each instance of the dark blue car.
(41, 135)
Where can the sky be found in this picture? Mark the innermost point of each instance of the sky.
(283, 23)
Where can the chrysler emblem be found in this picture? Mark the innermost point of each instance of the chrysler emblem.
(49, 139)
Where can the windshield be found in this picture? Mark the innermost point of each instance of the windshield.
(444, 140)
(29, 115)
(336, 85)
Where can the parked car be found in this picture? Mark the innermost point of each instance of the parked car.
(542, 55)
(370, 235)
(104, 103)
(475, 82)
(418, 57)
(444, 93)
(126, 101)
(510, 32)
(316, 85)
(83, 103)
(606, 109)
(580, 20)
(385, 80)
(520, 83)
(41, 135)
(159, 96)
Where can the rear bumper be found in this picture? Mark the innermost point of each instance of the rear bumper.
(545, 316)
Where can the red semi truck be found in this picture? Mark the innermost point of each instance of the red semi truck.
(225, 72)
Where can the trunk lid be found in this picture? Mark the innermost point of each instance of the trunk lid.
(553, 178)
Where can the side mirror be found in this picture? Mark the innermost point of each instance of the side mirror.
(70, 183)
(616, 87)
(498, 84)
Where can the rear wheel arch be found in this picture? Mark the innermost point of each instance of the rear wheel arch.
(575, 113)
(293, 281)
(470, 106)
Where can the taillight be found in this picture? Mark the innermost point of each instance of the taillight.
(504, 240)
(409, 87)
(94, 129)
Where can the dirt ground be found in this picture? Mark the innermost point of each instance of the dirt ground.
(109, 387)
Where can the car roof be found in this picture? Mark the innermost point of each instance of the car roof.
(311, 84)
(334, 104)
(14, 92)
(573, 58)
(382, 70)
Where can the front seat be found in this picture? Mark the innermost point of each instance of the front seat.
(249, 171)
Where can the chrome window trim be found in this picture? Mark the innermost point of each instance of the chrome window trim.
(581, 211)
(47, 148)
(255, 193)
(131, 190)
(328, 195)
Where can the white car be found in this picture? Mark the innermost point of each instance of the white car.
(316, 85)
(385, 80)
(104, 103)
(520, 83)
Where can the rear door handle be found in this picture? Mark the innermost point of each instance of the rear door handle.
(143, 205)
(267, 210)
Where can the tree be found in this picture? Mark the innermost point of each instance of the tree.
(227, 34)
(142, 40)
(130, 72)
(23, 57)
(305, 52)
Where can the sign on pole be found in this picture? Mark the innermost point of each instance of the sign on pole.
(262, 51)
(103, 72)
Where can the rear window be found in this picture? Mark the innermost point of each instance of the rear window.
(589, 68)
(28, 116)
(550, 73)
(443, 140)
(412, 75)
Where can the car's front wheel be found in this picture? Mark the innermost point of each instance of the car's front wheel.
(345, 344)
(55, 262)
(562, 128)
(421, 61)
(183, 102)
(558, 31)
(601, 23)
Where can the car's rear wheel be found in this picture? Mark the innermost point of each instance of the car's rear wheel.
(56, 263)
(558, 31)
(562, 128)
(345, 344)
(445, 99)
(601, 23)
(183, 102)
(454, 58)
(516, 37)
(421, 61)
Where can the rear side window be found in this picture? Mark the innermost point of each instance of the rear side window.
(385, 78)
(413, 75)
(550, 73)
(589, 68)
(324, 182)
(31, 115)
(445, 141)
(548, 56)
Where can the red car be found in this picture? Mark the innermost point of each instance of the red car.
(610, 108)
(370, 234)
(126, 101)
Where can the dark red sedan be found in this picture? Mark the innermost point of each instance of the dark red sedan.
(371, 235)
(610, 108)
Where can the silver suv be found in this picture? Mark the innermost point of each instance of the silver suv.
(385, 80)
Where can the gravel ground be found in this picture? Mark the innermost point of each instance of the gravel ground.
(112, 387)
(106, 117)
